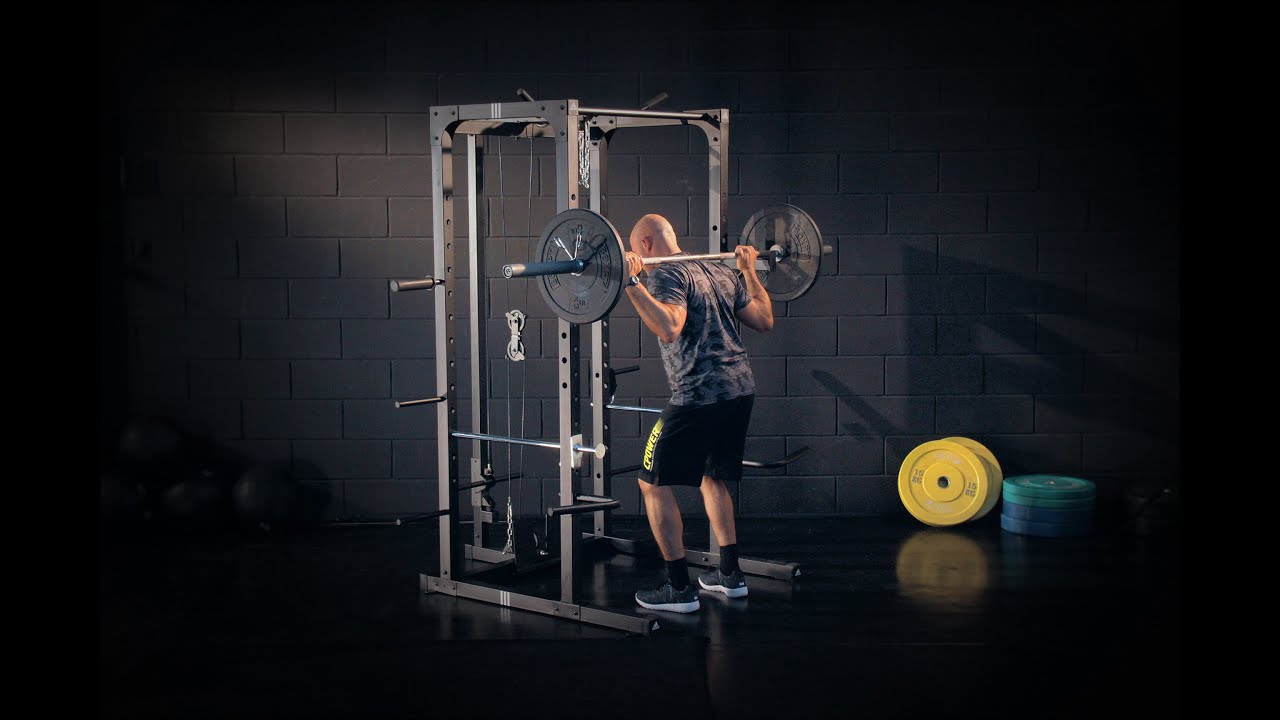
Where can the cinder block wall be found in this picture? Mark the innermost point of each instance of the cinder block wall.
(999, 181)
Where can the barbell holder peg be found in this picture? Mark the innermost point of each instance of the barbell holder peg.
(633, 408)
(418, 284)
(423, 401)
(585, 504)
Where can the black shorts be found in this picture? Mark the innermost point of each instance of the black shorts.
(689, 441)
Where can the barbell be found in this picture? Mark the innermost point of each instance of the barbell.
(582, 262)
(575, 443)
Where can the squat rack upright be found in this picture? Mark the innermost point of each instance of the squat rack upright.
(561, 120)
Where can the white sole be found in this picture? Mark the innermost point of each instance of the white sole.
(731, 592)
(671, 607)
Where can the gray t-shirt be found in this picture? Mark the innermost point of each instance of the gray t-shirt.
(708, 361)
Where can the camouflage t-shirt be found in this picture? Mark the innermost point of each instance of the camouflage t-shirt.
(708, 361)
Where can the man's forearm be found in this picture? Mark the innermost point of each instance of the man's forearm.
(757, 292)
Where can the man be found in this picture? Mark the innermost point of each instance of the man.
(698, 440)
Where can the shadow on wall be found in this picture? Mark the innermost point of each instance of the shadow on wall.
(1024, 361)
(873, 421)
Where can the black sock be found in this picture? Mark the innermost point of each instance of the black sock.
(678, 573)
(729, 559)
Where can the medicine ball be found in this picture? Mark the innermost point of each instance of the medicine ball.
(265, 497)
(198, 503)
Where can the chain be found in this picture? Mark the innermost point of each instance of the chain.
(511, 531)
(584, 156)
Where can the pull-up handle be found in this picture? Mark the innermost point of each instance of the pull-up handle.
(654, 100)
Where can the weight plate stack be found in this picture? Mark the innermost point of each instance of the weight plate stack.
(1048, 505)
(993, 468)
(943, 482)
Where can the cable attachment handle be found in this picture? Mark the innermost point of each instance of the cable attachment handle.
(515, 347)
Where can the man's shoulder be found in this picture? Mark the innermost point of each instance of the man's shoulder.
(669, 270)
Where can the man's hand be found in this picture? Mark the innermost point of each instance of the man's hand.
(746, 258)
(635, 265)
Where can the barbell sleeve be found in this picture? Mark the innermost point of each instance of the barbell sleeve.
(542, 268)
(422, 284)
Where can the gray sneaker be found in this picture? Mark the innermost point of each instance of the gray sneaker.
(669, 599)
(733, 584)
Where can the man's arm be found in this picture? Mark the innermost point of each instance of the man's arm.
(757, 314)
(664, 320)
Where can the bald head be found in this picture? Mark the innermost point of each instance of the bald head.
(653, 236)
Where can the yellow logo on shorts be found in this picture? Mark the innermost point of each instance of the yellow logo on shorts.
(653, 441)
